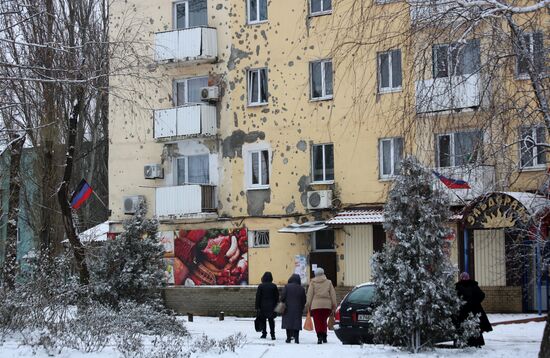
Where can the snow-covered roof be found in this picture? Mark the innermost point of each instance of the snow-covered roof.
(310, 226)
(96, 233)
(357, 216)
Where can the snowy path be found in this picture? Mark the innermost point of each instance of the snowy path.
(506, 341)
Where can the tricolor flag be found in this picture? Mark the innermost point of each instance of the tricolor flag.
(452, 183)
(81, 194)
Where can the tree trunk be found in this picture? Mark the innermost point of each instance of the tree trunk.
(63, 193)
(10, 259)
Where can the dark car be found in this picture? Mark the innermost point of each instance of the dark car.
(351, 319)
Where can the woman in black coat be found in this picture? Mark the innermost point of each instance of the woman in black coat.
(294, 296)
(469, 291)
(267, 297)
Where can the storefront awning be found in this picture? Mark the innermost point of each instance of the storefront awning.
(356, 217)
(310, 226)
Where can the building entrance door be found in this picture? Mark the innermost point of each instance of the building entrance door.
(326, 260)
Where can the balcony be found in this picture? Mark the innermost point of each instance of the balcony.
(435, 12)
(193, 45)
(480, 178)
(448, 93)
(184, 200)
(185, 121)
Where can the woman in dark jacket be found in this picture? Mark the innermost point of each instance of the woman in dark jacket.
(267, 297)
(294, 296)
(469, 291)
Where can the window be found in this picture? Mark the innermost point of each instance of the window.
(535, 54)
(258, 238)
(193, 169)
(391, 153)
(258, 168)
(190, 13)
(532, 154)
(257, 87)
(323, 162)
(389, 71)
(320, 7)
(455, 59)
(321, 79)
(322, 240)
(257, 11)
(458, 149)
(189, 90)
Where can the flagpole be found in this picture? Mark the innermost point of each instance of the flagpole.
(98, 198)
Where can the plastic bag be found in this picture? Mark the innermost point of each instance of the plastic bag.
(330, 323)
(308, 324)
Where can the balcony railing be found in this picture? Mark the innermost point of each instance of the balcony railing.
(182, 200)
(434, 12)
(197, 44)
(481, 179)
(188, 120)
(448, 93)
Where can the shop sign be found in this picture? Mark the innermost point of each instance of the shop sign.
(497, 211)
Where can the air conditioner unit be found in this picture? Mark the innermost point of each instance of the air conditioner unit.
(319, 199)
(132, 203)
(153, 171)
(211, 93)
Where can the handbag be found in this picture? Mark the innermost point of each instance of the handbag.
(280, 308)
(330, 324)
(258, 323)
(308, 324)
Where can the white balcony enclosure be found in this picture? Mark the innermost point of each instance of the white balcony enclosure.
(448, 93)
(195, 45)
(188, 120)
(481, 179)
(436, 12)
(185, 200)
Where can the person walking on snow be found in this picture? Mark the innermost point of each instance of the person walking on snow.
(469, 291)
(321, 300)
(267, 297)
(294, 297)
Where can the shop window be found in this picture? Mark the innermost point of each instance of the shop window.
(258, 238)
(190, 13)
(323, 162)
(323, 240)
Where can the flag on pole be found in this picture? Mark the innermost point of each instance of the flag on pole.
(452, 183)
(81, 194)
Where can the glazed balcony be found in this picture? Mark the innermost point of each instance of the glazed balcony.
(448, 93)
(184, 200)
(192, 45)
(433, 12)
(481, 179)
(185, 121)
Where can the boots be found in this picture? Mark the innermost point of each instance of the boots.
(296, 336)
(319, 338)
(324, 337)
(288, 335)
(272, 336)
(264, 335)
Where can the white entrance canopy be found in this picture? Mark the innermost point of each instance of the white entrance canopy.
(357, 217)
(310, 226)
(96, 233)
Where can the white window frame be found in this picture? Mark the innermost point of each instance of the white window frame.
(186, 90)
(325, 180)
(175, 14)
(392, 156)
(453, 135)
(314, 242)
(254, 237)
(322, 11)
(185, 158)
(534, 150)
(248, 8)
(525, 75)
(249, 89)
(248, 168)
(324, 95)
(389, 89)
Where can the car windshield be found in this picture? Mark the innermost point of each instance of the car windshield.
(363, 295)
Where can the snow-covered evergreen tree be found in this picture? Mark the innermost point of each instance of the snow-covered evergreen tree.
(413, 274)
(131, 266)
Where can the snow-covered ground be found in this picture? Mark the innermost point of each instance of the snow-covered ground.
(514, 340)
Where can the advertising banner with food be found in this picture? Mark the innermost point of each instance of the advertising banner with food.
(206, 257)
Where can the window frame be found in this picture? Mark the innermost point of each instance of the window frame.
(324, 96)
(248, 8)
(186, 90)
(249, 169)
(325, 180)
(185, 158)
(450, 60)
(319, 13)
(253, 239)
(534, 155)
(392, 141)
(249, 87)
(452, 154)
(525, 75)
(175, 14)
(313, 245)
(390, 89)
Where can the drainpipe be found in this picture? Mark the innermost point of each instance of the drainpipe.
(466, 252)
